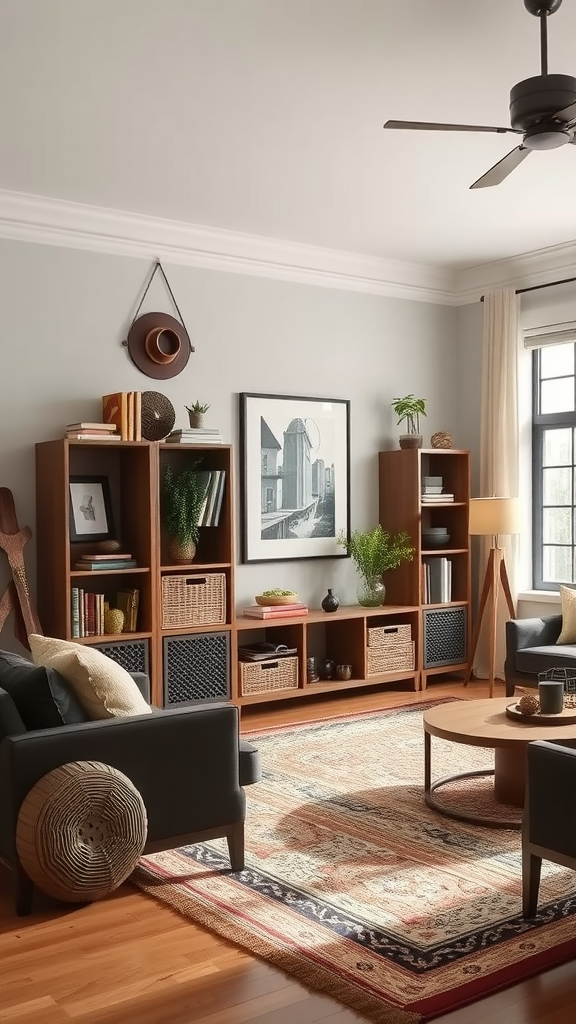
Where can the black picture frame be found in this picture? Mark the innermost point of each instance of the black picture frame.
(90, 508)
(295, 476)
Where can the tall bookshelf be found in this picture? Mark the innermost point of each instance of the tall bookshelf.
(185, 660)
(444, 625)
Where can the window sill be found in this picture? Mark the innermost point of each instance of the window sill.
(540, 596)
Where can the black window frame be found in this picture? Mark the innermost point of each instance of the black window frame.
(540, 423)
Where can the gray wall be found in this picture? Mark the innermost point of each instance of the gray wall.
(65, 312)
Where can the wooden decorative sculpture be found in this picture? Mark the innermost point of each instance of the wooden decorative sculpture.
(16, 597)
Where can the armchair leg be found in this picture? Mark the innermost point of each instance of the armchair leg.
(531, 867)
(24, 891)
(235, 840)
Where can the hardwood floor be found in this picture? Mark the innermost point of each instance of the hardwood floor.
(131, 959)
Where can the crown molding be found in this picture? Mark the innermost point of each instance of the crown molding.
(540, 267)
(40, 219)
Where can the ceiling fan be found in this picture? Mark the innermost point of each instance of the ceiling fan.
(542, 109)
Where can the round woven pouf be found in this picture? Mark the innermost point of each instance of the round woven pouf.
(81, 830)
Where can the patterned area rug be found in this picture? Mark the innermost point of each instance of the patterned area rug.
(358, 889)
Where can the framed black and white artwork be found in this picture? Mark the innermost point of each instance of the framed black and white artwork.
(90, 508)
(295, 476)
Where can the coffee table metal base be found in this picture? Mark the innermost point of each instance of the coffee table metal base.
(500, 789)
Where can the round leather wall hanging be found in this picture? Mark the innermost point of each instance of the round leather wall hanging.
(158, 416)
(159, 345)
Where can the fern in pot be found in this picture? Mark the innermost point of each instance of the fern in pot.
(182, 497)
(375, 552)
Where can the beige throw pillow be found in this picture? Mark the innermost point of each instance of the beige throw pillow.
(568, 631)
(103, 688)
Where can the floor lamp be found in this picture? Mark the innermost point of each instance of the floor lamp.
(493, 517)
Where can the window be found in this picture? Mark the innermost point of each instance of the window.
(554, 462)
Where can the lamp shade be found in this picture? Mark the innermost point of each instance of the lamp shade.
(494, 516)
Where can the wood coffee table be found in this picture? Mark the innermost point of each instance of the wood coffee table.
(484, 723)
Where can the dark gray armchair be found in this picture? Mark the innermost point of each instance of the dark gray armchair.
(187, 762)
(531, 648)
(548, 827)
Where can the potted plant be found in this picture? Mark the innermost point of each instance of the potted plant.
(374, 552)
(409, 410)
(182, 497)
(196, 413)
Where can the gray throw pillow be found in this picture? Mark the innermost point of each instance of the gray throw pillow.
(42, 697)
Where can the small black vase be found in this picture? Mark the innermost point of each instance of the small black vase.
(330, 602)
(326, 668)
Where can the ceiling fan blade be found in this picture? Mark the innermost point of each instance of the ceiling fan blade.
(567, 115)
(432, 126)
(503, 168)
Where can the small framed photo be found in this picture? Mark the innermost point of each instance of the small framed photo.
(295, 455)
(90, 508)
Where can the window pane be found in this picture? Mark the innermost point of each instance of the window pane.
(557, 447)
(557, 395)
(557, 564)
(557, 525)
(556, 360)
(556, 484)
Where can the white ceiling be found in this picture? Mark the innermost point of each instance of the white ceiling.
(265, 117)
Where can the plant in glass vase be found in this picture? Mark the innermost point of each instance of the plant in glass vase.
(374, 552)
(409, 410)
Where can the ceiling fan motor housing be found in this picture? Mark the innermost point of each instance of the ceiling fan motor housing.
(536, 99)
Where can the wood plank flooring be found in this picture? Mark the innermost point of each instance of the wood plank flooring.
(130, 959)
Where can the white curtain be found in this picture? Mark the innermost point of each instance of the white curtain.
(499, 443)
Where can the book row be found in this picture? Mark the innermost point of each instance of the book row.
(89, 609)
(436, 580)
(215, 481)
(124, 410)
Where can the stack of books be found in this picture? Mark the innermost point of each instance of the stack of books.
(106, 562)
(92, 432)
(123, 409)
(275, 611)
(265, 651)
(433, 492)
(195, 435)
(213, 497)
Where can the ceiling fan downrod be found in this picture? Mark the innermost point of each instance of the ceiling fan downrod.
(542, 9)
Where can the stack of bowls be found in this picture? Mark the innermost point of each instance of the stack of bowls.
(433, 536)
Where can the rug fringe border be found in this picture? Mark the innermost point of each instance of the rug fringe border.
(312, 977)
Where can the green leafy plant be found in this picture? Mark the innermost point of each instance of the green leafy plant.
(277, 592)
(410, 409)
(197, 407)
(181, 502)
(376, 551)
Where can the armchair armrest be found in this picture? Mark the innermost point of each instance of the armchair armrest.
(184, 762)
(551, 779)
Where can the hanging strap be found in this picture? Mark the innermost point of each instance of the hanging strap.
(158, 266)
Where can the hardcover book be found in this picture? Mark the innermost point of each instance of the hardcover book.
(115, 410)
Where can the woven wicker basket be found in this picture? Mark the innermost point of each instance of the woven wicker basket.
(263, 676)
(387, 659)
(387, 636)
(193, 600)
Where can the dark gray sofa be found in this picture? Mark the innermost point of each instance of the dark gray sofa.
(531, 648)
(187, 762)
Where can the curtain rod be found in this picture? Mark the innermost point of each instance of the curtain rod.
(536, 287)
